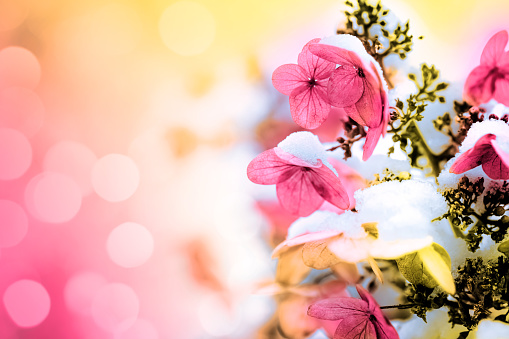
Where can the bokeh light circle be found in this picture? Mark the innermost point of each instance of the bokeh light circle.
(53, 197)
(130, 245)
(80, 291)
(141, 329)
(15, 154)
(19, 67)
(115, 177)
(73, 159)
(187, 28)
(21, 109)
(13, 222)
(27, 302)
(115, 307)
(217, 317)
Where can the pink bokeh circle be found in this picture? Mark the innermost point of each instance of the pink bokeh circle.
(130, 245)
(13, 223)
(15, 154)
(21, 109)
(19, 67)
(115, 177)
(53, 197)
(73, 159)
(80, 291)
(115, 307)
(27, 302)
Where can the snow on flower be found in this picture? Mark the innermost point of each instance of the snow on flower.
(486, 145)
(306, 84)
(357, 85)
(301, 173)
(491, 78)
(360, 319)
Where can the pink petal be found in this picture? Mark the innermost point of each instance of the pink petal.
(477, 155)
(504, 156)
(296, 193)
(384, 328)
(345, 86)
(338, 308)
(369, 110)
(478, 87)
(317, 68)
(288, 77)
(329, 187)
(494, 167)
(309, 106)
(494, 49)
(355, 328)
(372, 137)
(293, 160)
(502, 90)
(336, 55)
(302, 239)
(332, 126)
(266, 168)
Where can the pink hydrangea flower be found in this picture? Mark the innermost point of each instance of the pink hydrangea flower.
(490, 80)
(357, 86)
(361, 319)
(301, 186)
(488, 153)
(306, 84)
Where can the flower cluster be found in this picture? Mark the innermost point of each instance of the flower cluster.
(415, 232)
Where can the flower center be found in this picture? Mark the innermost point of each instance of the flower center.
(306, 169)
(360, 73)
(312, 82)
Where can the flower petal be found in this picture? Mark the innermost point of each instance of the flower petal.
(329, 187)
(478, 89)
(383, 326)
(301, 239)
(372, 137)
(345, 86)
(309, 106)
(291, 270)
(266, 168)
(479, 154)
(316, 254)
(297, 193)
(338, 308)
(335, 54)
(502, 90)
(495, 162)
(288, 77)
(368, 111)
(316, 67)
(494, 49)
(356, 328)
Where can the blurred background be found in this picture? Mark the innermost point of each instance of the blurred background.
(125, 131)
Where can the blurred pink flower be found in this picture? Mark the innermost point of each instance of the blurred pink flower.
(490, 80)
(488, 153)
(358, 87)
(306, 84)
(301, 186)
(361, 319)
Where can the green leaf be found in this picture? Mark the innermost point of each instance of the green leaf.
(412, 266)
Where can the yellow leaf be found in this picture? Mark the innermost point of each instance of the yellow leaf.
(376, 269)
(437, 266)
(317, 255)
(290, 268)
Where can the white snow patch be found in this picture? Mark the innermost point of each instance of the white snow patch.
(306, 146)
